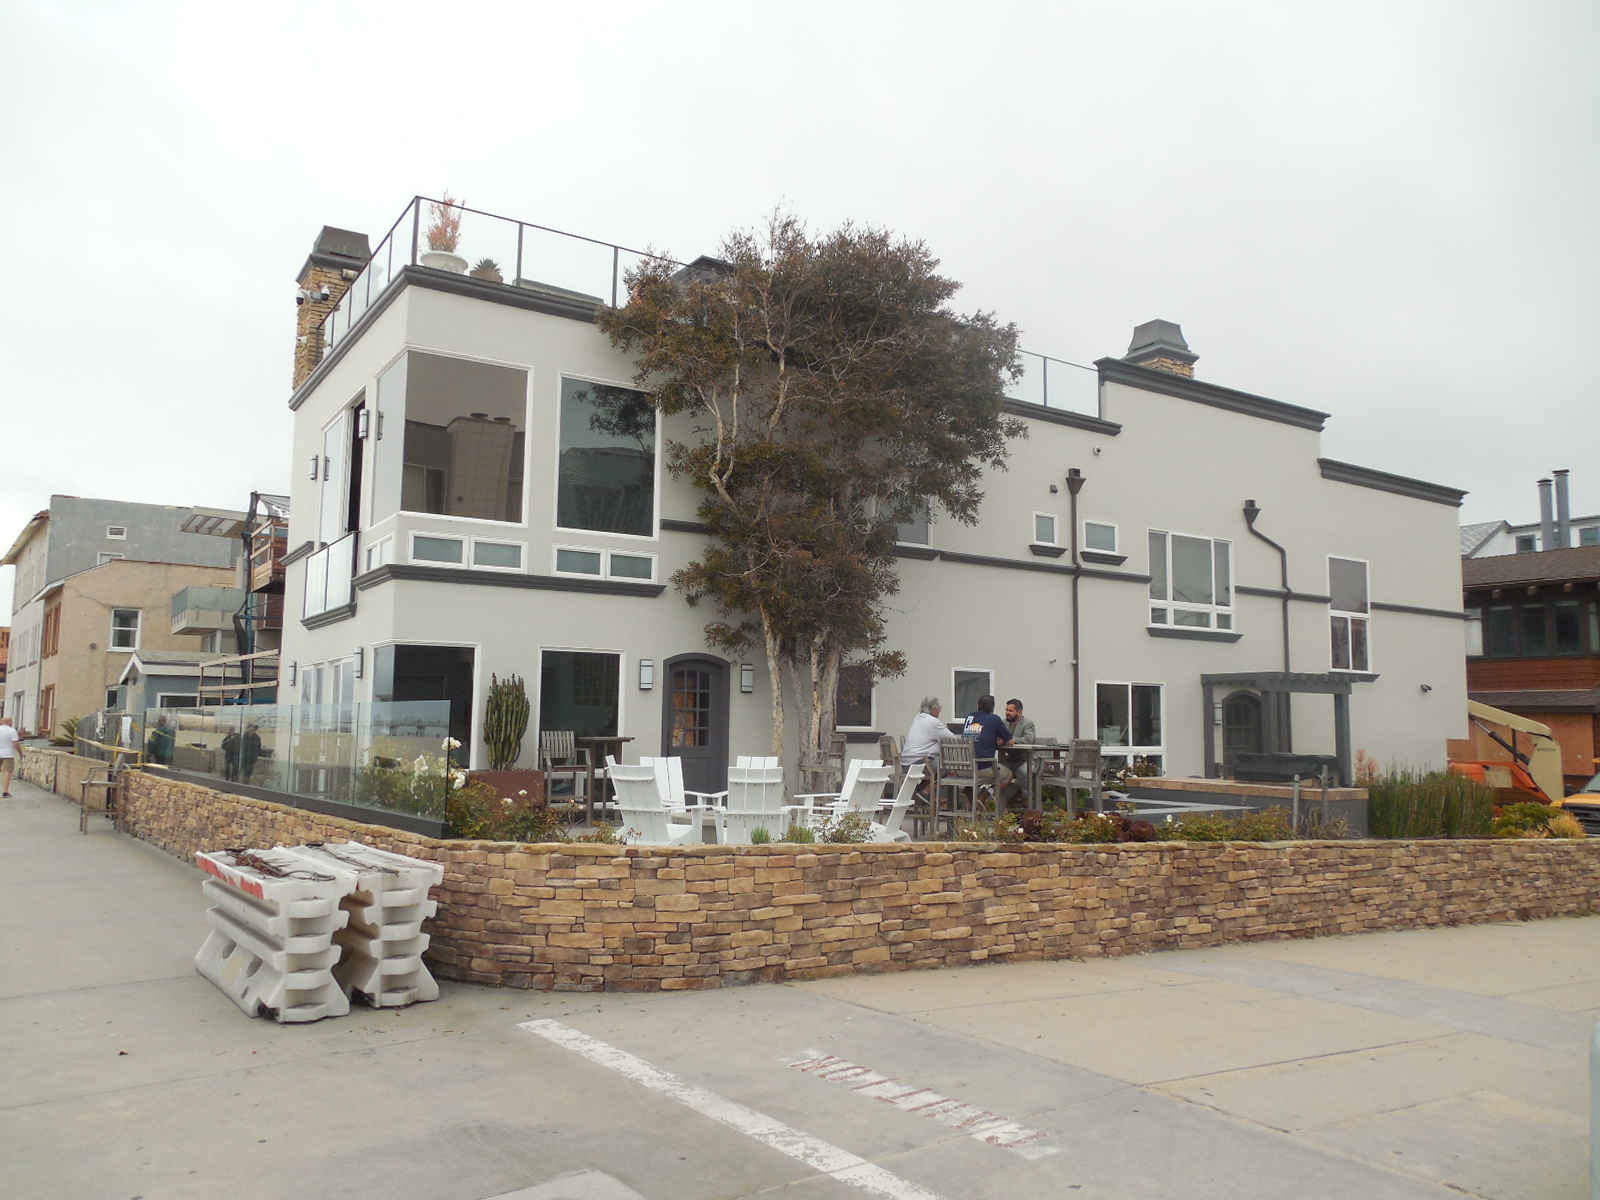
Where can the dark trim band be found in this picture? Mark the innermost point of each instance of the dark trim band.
(299, 552)
(1277, 594)
(1061, 416)
(330, 616)
(1193, 635)
(1148, 379)
(1382, 481)
(1418, 610)
(668, 525)
(401, 572)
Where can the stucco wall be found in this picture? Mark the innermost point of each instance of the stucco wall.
(646, 918)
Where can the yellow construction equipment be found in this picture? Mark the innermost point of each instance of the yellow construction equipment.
(1532, 768)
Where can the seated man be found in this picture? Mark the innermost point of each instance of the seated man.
(1022, 730)
(987, 732)
(922, 739)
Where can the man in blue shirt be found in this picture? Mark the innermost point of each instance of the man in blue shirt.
(987, 731)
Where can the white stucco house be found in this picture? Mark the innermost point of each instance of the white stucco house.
(1176, 569)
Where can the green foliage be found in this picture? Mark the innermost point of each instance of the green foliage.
(799, 833)
(602, 835)
(1407, 803)
(759, 836)
(505, 720)
(478, 812)
(1057, 826)
(850, 828)
(1263, 825)
(1523, 820)
(834, 391)
(69, 732)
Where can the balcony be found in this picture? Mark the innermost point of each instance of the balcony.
(205, 609)
(535, 258)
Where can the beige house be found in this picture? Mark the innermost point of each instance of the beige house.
(96, 620)
(1169, 564)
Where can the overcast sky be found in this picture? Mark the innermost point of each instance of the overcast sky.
(1386, 211)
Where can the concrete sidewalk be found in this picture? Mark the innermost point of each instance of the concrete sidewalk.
(1403, 1065)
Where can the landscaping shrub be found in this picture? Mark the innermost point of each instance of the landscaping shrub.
(1530, 819)
(849, 829)
(1407, 803)
(479, 812)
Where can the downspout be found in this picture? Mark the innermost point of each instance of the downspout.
(1251, 511)
(1074, 486)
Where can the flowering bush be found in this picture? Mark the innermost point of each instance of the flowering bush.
(444, 223)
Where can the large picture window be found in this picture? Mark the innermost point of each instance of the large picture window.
(966, 687)
(1129, 724)
(580, 690)
(1535, 628)
(854, 695)
(451, 438)
(606, 478)
(1347, 614)
(124, 629)
(1191, 581)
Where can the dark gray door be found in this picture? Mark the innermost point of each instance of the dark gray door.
(694, 720)
(1241, 728)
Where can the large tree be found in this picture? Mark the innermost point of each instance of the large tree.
(831, 394)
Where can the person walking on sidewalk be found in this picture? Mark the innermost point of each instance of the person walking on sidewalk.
(10, 753)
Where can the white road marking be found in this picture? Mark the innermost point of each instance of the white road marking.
(974, 1122)
(830, 1159)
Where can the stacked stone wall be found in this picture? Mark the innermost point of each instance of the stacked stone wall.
(645, 918)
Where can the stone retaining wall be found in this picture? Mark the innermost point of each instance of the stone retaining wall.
(645, 918)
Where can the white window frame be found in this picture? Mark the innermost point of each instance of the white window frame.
(460, 539)
(380, 553)
(1125, 754)
(872, 706)
(1055, 530)
(605, 571)
(1586, 535)
(162, 697)
(117, 533)
(522, 555)
(1349, 617)
(138, 628)
(108, 556)
(954, 671)
(555, 470)
(1116, 536)
(1219, 617)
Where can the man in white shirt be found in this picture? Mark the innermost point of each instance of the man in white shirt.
(923, 738)
(10, 753)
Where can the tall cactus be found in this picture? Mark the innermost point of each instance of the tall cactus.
(505, 720)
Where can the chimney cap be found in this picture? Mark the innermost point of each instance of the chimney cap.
(1159, 339)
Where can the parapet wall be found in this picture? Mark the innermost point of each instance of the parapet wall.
(646, 918)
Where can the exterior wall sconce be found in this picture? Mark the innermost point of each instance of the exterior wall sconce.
(647, 674)
(363, 423)
(314, 460)
(361, 661)
(747, 678)
(1216, 713)
(294, 669)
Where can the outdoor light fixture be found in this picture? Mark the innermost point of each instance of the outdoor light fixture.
(1426, 688)
(363, 419)
(1216, 713)
(647, 674)
(747, 677)
(293, 669)
(314, 459)
(361, 661)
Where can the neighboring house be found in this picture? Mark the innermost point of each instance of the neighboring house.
(72, 624)
(1216, 585)
(1556, 528)
(164, 679)
(1533, 644)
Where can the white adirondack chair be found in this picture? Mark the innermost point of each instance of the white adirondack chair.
(862, 791)
(669, 782)
(755, 801)
(888, 829)
(757, 760)
(640, 807)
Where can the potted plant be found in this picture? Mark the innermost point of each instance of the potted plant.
(487, 268)
(505, 720)
(444, 235)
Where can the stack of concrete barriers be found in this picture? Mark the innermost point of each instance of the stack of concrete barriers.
(298, 932)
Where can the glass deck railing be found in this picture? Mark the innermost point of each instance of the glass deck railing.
(548, 261)
(386, 757)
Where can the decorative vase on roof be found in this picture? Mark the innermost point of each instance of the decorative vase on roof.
(444, 260)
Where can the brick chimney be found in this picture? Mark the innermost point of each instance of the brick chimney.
(1160, 346)
(334, 262)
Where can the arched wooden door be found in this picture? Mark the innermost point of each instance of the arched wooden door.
(694, 719)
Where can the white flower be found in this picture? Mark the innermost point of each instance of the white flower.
(507, 802)
(420, 763)
(458, 779)
(523, 792)
(451, 744)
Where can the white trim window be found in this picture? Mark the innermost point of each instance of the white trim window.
(607, 459)
(966, 685)
(497, 554)
(1100, 535)
(1128, 721)
(594, 563)
(124, 629)
(855, 697)
(438, 549)
(1044, 529)
(1191, 581)
(380, 553)
(1348, 615)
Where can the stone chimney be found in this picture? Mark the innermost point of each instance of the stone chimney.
(1160, 346)
(334, 262)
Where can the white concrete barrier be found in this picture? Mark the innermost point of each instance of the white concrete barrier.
(271, 948)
